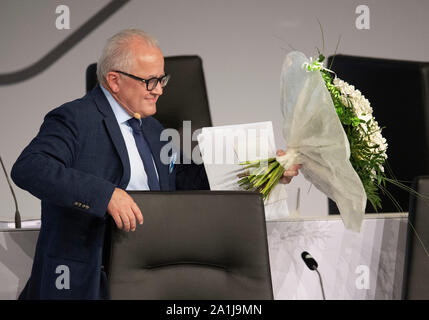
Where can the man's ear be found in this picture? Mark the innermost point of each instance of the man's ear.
(112, 79)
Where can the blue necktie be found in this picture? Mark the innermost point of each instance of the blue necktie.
(145, 153)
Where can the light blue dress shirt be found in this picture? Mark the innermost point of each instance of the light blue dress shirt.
(138, 179)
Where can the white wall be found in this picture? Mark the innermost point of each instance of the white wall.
(242, 44)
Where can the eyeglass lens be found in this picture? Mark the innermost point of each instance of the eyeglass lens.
(152, 83)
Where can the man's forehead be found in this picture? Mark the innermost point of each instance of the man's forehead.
(149, 65)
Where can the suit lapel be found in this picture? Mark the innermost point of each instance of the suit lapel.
(152, 136)
(115, 133)
(119, 143)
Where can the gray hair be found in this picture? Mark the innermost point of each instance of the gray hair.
(115, 54)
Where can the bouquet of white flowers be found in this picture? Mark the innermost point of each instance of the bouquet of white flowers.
(368, 147)
(329, 128)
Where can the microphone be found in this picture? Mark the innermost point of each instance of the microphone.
(309, 260)
(312, 265)
(17, 214)
(135, 114)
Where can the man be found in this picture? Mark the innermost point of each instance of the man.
(87, 152)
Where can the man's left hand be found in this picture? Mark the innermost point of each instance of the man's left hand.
(291, 172)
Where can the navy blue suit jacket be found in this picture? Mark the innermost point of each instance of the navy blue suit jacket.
(73, 165)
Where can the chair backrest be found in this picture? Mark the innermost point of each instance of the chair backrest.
(399, 95)
(193, 245)
(416, 279)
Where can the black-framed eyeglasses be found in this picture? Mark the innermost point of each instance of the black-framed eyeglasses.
(150, 83)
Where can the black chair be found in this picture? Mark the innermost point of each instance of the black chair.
(184, 98)
(193, 245)
(416, 279)
(399, 95)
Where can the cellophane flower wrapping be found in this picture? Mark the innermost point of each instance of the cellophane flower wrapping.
(315, 138)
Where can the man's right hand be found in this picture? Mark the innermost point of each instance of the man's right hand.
(124, 210)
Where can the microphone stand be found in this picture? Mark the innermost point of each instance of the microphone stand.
(17, 214)
(321, 284)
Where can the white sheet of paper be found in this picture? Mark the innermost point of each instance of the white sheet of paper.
(224, 147)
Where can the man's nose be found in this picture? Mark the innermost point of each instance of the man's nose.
(158, 89)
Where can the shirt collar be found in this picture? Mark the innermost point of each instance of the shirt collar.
(120, 114)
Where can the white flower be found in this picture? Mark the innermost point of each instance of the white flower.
(353, 97)
(362, 109)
